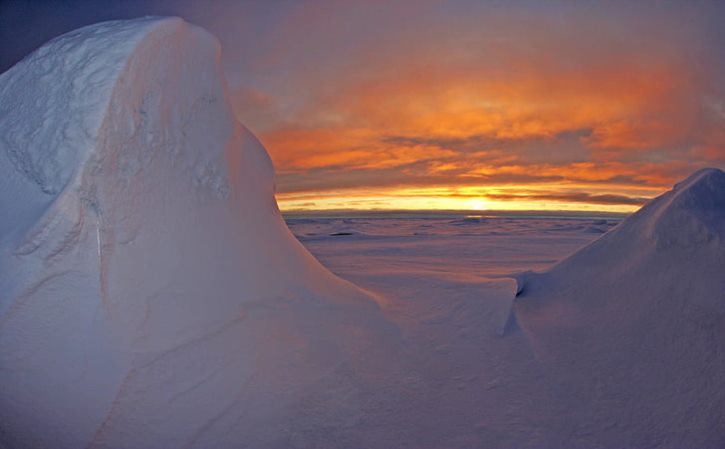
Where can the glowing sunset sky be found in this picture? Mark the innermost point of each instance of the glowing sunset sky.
(456, 104)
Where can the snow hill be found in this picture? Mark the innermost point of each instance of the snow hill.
(150, 293)
(632, 326)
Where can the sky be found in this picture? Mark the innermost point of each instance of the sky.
(475, 105)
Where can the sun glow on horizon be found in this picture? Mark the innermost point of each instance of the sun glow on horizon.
(479, 205)
(471, 198)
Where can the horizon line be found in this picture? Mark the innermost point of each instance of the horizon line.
(456, 212)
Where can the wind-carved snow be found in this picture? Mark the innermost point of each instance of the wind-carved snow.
(152, 296)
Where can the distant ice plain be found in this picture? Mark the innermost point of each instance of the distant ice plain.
(367, 248)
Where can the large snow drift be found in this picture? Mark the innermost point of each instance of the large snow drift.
(151, 296)
(633, 325)
(150, 293)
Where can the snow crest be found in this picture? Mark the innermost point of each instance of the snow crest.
(150, 293)
(693, 213)
(47, 137)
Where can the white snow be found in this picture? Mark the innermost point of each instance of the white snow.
(152, 296)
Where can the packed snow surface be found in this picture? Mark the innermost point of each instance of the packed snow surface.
(152, 296)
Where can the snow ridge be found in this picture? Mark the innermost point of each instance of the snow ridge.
(47, 138)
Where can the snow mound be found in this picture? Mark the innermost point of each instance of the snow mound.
(468, 221)
(150, 293)
(633, 324)
(692, 213)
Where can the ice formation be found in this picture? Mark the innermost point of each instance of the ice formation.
(150, 293)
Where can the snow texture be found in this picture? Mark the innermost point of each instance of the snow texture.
(151, 295)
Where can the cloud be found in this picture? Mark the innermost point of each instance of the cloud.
(596, 102)
(617, 100)
(573, 197)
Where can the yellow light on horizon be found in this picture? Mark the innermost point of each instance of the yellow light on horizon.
(468, 198)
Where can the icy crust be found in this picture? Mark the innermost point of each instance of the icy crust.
(70, 81)
(150, 293)
(54, 103)
(633, 324)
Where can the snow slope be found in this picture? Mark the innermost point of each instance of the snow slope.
(633, 325)
(150, 293)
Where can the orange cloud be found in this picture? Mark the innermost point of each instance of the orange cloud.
(522, 104)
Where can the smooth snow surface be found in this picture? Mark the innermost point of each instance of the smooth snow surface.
(151, 296)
